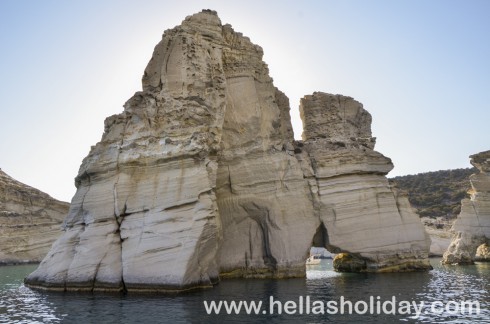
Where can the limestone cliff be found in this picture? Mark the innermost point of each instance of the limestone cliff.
(472, 227)
(199, 179)
(30, 221)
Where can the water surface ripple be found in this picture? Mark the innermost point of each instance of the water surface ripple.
(19, 304)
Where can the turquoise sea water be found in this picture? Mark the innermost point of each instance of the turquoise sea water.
(19, 304)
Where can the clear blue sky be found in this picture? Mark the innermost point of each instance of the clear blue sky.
(420, 67)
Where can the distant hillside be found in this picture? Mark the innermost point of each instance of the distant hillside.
(437, 193)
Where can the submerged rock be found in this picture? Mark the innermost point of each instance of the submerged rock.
(472, 227)
(200, 178)
(30, 221)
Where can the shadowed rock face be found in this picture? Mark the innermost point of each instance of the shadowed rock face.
(472, 227)
(30, 221)
(200, 178)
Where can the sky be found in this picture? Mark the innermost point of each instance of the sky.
(421, 68)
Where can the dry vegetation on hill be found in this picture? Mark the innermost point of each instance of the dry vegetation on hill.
(438, 193)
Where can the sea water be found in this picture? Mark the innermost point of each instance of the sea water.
(445, 285)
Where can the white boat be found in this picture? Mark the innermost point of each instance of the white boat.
(313, 259)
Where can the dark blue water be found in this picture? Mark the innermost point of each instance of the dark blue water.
(19, 304)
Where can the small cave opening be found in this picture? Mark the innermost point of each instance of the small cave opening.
(320, 239)
(320, 247)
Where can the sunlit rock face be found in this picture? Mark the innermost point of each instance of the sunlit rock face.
(361, 212)
(472, 227)
(483, 253)
(200, 178)
(145, 214)
(30, 221)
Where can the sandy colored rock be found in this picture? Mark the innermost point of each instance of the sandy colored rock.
(439, 230)
(30, 221)
(200, 178)
(345, 262)
(144, 215)
(483, 253)
(351, 194)
(463, 248)
(335, 117)
(472, 227)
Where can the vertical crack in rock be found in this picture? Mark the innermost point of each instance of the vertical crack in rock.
(229, 180)
(121, 240)
(250, 245)
(119, 217)
(261, 216)
(96, 272)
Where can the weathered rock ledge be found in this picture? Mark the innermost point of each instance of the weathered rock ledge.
(200, 179)
(472, 227)
(30, 221)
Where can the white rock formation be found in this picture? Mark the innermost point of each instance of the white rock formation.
(144, 215)
(352, 196)
(30, 221)
(199, 178)
(472, 227)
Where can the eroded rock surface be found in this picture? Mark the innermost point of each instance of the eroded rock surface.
(200, 178)
(483, 253)
(352, 196)
(472, 227)
(30, 221)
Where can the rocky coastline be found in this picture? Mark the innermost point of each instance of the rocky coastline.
(200, 179)
(30, 221)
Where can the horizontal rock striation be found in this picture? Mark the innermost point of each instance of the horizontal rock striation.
(30, 221)
(472, 227)
(200, 179)
(353, 198)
